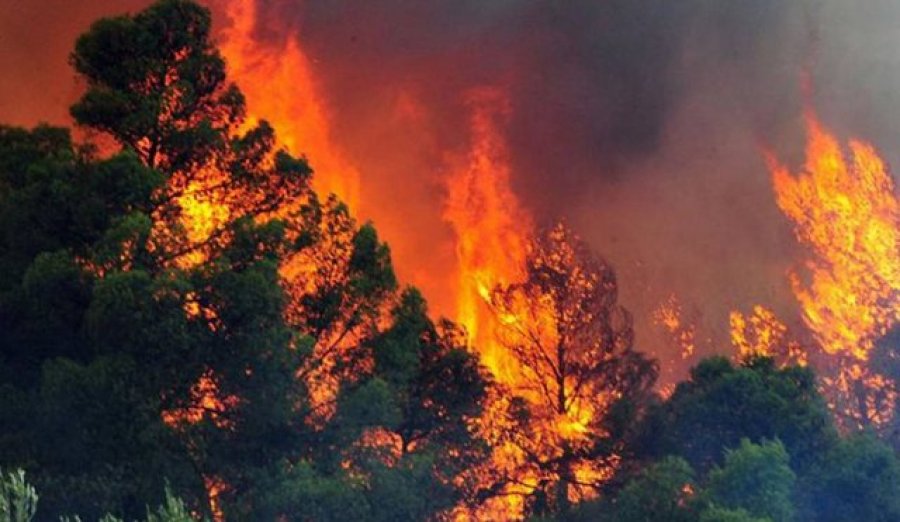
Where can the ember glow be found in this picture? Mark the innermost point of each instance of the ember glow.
(207, 403)
(683, 331)
(202, 214)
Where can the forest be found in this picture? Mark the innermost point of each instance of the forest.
(190, 331)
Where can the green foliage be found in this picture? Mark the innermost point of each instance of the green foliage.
(371, 403)
(660, 492)
(101, 443)
(886, 361)
(408, 491)
(722, 404)
(156, 84)
(301, 493)
(60, 213)
(94, 325)
(18, 500)
(858, 479)
(755, 478)
(172, 510)
(718, 514)
(755, 484)
(422, 391)
(435, 381)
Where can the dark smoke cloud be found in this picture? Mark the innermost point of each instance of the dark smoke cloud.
(641, 121)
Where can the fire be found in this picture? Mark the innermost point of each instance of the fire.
(540, 417)
(280, 87)
(683, 331)
(202, 214)
(763, 333)
(490, 225)
(845, 209)
(214, 488)
(206, 402)
(491, 232)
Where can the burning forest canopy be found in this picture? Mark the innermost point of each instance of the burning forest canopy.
(451, 260)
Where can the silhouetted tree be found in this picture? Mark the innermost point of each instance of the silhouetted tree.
(165, 311)
(158, 87)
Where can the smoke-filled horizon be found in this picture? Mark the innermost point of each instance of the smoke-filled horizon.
(640, 122)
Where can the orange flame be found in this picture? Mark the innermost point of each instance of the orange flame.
(206, 402)
(214, 488)
(490, 225)
(670, 316)
(845, 209)
(280, 87)
(493, 233)
(762, 333)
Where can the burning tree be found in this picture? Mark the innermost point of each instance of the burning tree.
(578, 375)
(204, 289)
(178, 252)
(844, 208)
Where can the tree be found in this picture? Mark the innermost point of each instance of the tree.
(857, 479)
(188, 308)
(299, 492)
(722, 403)
(755, 478)
(755, 484)
(400, 434)
(579, 374)
(719, 514)
(151, 341)
(72, 390)
(885, 362)
(405, 423)
(662, 491)
(158, 87)
(74, 212)
(340, 282)
(18, 499)
(436, 383)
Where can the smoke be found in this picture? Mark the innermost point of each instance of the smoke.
(36, 38)
(639, 121)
